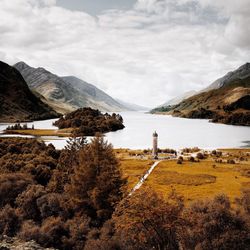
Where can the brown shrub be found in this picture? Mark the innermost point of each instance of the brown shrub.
(214, 225)
(27, 202)
(146, 220)
(10, 221)
(11, 185)
(200, 156)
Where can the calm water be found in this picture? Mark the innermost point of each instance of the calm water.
(173, 133)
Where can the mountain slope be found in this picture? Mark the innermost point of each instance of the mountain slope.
(179, 98)
(94, 95)
(66, 94)
(225, 102)
(17, 102)
(241, 73)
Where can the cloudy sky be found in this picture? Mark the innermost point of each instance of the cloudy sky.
(144, 51)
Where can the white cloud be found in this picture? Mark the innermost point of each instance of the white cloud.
(146, 55)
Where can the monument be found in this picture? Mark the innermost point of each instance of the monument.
(155, 145)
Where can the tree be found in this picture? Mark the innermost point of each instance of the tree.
(69, 159)
(96, 185)
(146, 220)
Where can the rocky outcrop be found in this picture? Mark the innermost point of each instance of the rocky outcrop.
(17, 102)
(9, 243)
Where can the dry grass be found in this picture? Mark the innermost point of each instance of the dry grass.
(42, 132)
(223, 178)
(134, 169)
(172, 177)
(194, 180)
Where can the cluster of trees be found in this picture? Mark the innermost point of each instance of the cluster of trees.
(241, 118)
(60, 199)
(190, 150)
(88, 122)
(76, 198)
(19, 126)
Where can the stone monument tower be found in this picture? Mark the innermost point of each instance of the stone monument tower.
(155, 145)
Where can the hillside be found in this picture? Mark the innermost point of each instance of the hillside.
(132, 106)
(179, 98)
(95, 96)
(241, 73)
(17, 102)
(66, 94)
(226, 101)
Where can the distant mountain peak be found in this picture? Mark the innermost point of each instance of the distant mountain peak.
(240, 73)
(245, 66)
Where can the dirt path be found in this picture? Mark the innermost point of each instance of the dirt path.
(144, 177)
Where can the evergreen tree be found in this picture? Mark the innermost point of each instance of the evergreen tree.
(96, 185)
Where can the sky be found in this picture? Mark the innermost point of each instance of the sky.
(141, 51)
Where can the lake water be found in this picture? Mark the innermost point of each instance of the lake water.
(173, 133)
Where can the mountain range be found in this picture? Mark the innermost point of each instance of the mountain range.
(17, 102)
(65, 94)
(227, 100)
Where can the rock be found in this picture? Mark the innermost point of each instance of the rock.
(9, 243)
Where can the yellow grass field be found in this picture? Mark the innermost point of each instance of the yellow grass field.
(134, 169)
(42, 132)
(194, 180)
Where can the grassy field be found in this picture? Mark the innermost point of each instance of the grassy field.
(134, 169)
(42, 132)
(195, 180)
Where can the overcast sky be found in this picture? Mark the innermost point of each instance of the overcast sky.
(144, 51)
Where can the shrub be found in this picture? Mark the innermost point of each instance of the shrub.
(214, 225)
(200, 156)
(10, 221)
(11, 185)
(231, 161)
(191, 159)
(27, 202)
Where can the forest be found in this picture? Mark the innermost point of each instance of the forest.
(77, 198)
(88, 121)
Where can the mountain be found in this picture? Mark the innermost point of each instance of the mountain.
(179, 98)
(66, 94)
(132, 106)
(17, 102)
(99, 97)
(241, 73)
(225, 101)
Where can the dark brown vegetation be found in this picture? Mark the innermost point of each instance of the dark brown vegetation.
(17, 102)
(148, 221)
(60, 199)
(19, 126)
(76, 198)
(88, 122)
